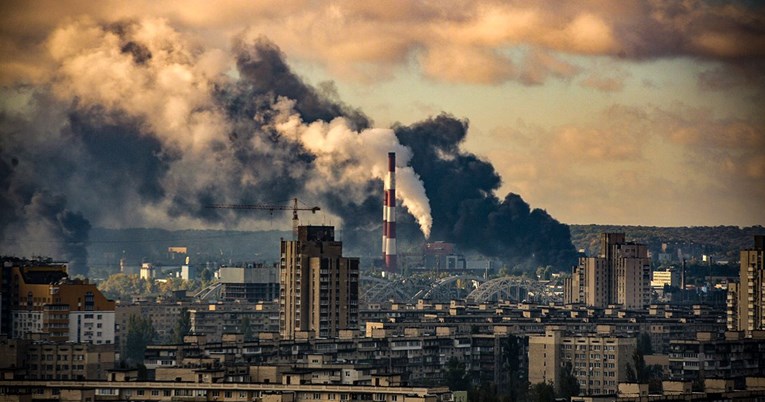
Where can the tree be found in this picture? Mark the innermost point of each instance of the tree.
(514, 383)
(140, 333)
(486, 392)
(182, 326)
(644, 344)
(641, 370)
(247, 328)
(455, 375)
(542, 392)
(569, 385)
(631, 376)
(638, 371)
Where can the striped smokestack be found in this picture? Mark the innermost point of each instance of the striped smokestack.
(389, 216)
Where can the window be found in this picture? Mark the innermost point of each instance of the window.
(89, 302)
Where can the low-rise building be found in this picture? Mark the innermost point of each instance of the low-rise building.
(714, 355)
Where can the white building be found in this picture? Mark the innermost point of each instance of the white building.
(95, 327)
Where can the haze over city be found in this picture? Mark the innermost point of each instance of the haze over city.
(138, 114)
(390, 201)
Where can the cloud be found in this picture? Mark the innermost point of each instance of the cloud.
(732, 75)
(539, 65)
(466, 65)
(687, 163)
(466, 43)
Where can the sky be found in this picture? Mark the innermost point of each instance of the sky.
(624, 112)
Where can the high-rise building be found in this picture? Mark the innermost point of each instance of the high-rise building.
(620, 275)
(751, 288)
(319, 288)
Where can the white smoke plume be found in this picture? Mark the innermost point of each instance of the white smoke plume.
(362, 156)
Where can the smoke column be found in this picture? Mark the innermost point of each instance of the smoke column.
(134, 124)
(389, 216)
(347, 158)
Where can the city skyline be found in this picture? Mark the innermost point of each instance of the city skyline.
(624, 113)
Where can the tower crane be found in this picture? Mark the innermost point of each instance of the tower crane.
(270, 207)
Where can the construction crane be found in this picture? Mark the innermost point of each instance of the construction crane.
(269, 207)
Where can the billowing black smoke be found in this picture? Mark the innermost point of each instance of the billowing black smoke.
(67, 162)
(264, 77)
(264, 71)
(36, 220)
(460, 187)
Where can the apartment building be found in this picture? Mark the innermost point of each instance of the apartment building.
(56, 361)
(750, 305)
(597, 360)
(252, 283)
(714, 355)
(161, 391)
(319, 288)
(620, 275)
(45, 301)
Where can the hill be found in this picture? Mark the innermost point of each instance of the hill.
(723, 242)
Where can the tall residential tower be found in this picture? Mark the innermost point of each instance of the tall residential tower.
(319, 288)
(750, 309)
(620, 275)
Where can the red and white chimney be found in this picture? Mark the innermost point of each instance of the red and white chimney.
(389, 216)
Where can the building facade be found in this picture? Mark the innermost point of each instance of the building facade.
(751, 288)
(620, 275)
(45, 302)
(319, 288)
(713, 355)
(253, 283)
(597, 360)
(56, 361)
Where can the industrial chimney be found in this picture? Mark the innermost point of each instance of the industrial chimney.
(389, 216)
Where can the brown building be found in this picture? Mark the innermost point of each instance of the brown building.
(318, 286)
(44, 300)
